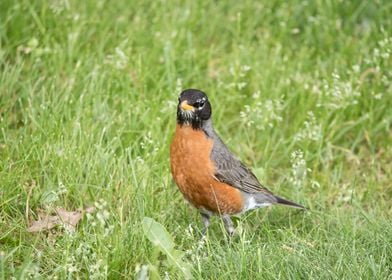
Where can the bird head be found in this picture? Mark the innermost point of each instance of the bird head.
(193, 108)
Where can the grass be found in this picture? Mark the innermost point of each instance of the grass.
(301, 92)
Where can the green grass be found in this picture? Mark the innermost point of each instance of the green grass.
(88, 93)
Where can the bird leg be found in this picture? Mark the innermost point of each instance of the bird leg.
(206, 222)
(228, 224)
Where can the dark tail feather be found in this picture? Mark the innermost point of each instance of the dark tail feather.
(283, 201)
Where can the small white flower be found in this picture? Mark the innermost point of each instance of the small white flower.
(295, 31)
(118, 59)
(263, 114)
(356, 68)
(256, 95)
(299, 170)
(311, 130)
(245, 68)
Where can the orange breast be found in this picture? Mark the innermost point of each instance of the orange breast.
(193, 171)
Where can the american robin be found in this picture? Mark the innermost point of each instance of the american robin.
(209, 176)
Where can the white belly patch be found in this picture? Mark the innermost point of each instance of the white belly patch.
(251, 203)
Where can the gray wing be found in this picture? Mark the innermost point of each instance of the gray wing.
(232, 171)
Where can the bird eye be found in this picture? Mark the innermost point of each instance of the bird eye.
(199, 104)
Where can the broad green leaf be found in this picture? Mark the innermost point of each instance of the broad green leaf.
(158, 235)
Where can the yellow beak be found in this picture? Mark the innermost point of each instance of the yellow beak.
(185, 106)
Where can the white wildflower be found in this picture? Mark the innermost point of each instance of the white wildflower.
(311, 130)
(245, 68)
(340, 93)
(241, 86)
(345, 193)
(299, 170)
(262, 114)
(256, 95)
(58, 6)
(119, 60)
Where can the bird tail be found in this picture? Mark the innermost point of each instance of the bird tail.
(286, 202)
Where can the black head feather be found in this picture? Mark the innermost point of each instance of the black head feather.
(198, 108)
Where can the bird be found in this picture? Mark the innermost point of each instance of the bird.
(207, 173)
